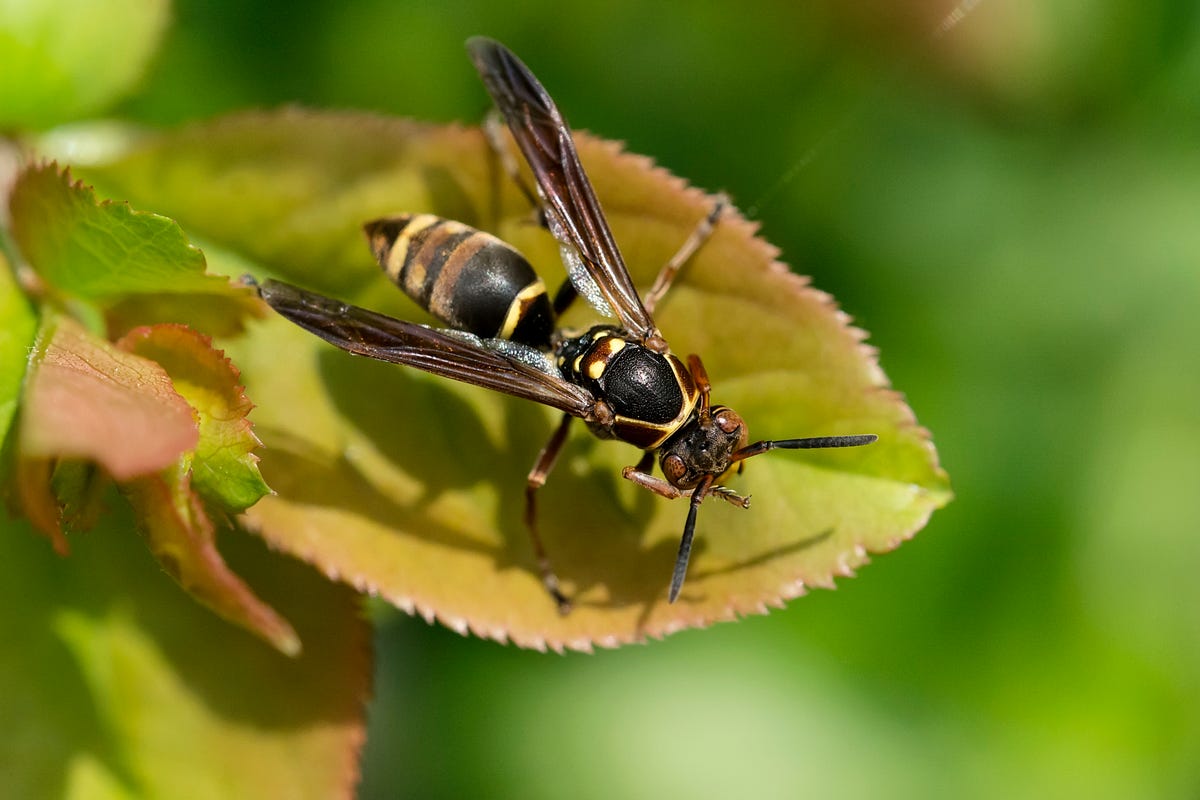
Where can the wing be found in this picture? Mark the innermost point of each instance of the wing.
(452, 354)
(572, 212)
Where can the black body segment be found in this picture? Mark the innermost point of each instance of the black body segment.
(465, 277)
(641, 384)
(651, 394)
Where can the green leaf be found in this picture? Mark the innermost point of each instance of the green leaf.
(63, 59)
(224, 469)
(101, 251)
(412, 486)
(16, 339)
(119, 685)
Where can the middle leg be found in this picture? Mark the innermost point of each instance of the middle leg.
(536, 480)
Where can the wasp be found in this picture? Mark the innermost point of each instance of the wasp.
(621, 378)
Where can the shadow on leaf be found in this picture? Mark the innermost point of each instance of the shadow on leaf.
(418, 424)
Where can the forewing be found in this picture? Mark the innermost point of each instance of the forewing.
(572, 211)
(452, 354)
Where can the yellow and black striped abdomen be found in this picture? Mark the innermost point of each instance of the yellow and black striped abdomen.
(469, 279)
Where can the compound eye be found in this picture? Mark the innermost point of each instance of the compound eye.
(727, 420)
(674, 469)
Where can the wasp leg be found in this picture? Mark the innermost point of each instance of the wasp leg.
(642, 478)
(700, 376)
(537, 479)
(656, 485)
(493, 131)
(563, 298)
(730, 496)
(699, 235)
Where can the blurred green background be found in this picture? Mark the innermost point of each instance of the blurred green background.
(1010, 207)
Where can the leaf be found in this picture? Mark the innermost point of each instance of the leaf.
(224, 468)
(16, 338)
(89, 400)
(31, 495)
(63, 59)
(181, 536)
(86, 399)
(102, 251)
(174, 438)
(217, 315)
(412, 486)
(302, 184)
(116, 684)
(79, 488)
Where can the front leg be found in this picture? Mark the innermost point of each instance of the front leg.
(648, 481)
(642, 477)
(731, 497)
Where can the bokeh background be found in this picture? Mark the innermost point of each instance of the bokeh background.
(1010, 204)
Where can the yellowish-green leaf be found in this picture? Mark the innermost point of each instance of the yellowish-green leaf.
(412, 486)
(214, 314)
(290, 189)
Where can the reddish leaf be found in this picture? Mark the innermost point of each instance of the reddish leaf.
(34, 499)
(181, 536)
(87, 399)
(224, 468)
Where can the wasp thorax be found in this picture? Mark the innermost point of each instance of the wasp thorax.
(702, 447)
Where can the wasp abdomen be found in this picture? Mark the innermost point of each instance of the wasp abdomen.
(469, 279)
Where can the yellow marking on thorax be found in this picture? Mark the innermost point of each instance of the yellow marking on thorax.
(600, 355)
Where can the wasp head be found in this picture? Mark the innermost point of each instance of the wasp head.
(702, 447)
